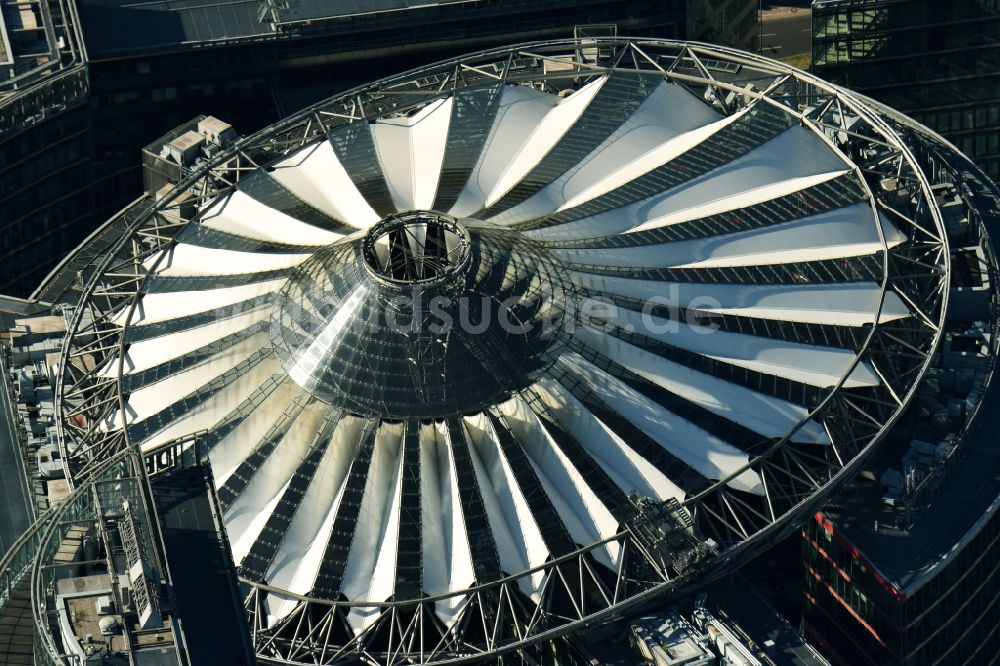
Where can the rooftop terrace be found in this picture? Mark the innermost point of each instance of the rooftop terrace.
(38, 38)
(42, 62)
(909, 558)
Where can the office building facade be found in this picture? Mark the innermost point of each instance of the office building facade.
(938, 62)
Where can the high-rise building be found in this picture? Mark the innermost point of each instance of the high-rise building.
(46, 201)
(938, 62)
(725, 22)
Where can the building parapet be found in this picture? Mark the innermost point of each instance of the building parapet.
(46, 62)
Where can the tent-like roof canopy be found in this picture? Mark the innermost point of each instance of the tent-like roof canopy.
(440, 346)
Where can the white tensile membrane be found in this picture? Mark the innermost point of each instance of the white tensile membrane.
(201, 416)
(248, 514)
(231, 451)
(708, 455)
(518, 540)
(149, 353)
(840, 233)
(585, 516)
(371, 564)
(626, 467)
(669, 120)
(520, 111)
(167, 306)
(847, 304)
(544, 136)
(447, 561)
(809, 364)
(410, 152)
(185, 260)
(299, 559)
(152, 399)
(239, 213)
(761, 174)
(317, 177)
(769, 416)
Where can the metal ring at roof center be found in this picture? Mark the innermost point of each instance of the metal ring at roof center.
(422, 317)
(416, 248)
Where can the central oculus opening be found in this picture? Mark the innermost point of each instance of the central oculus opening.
(417, 247)
(422, 316)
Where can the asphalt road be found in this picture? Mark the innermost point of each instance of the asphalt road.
(786, 33)
(15, 496)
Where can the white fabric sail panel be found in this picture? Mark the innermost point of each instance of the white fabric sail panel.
(797, 369)
(844, 232)
(447, 561)
(615, 221)
(164, 306)
(298, 559)
(411, 152)
(626, 467)
(241, 214)
(793, 154)
(706, 454)
(548, 132)
(317, 177)
(255, 521)
(370, 572)
(184, 260)
(152, 352)
(230, 452)
(236, 317)
(299, 577)
(154, 398)
(586, 518)
(395, 155)
(668, 112)
(248, 514)
(835, 304)
(519, 543)
(307, 363)
(764, 414)
(521, 109)
(809, 364)
(208, 413)
(738, 200)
